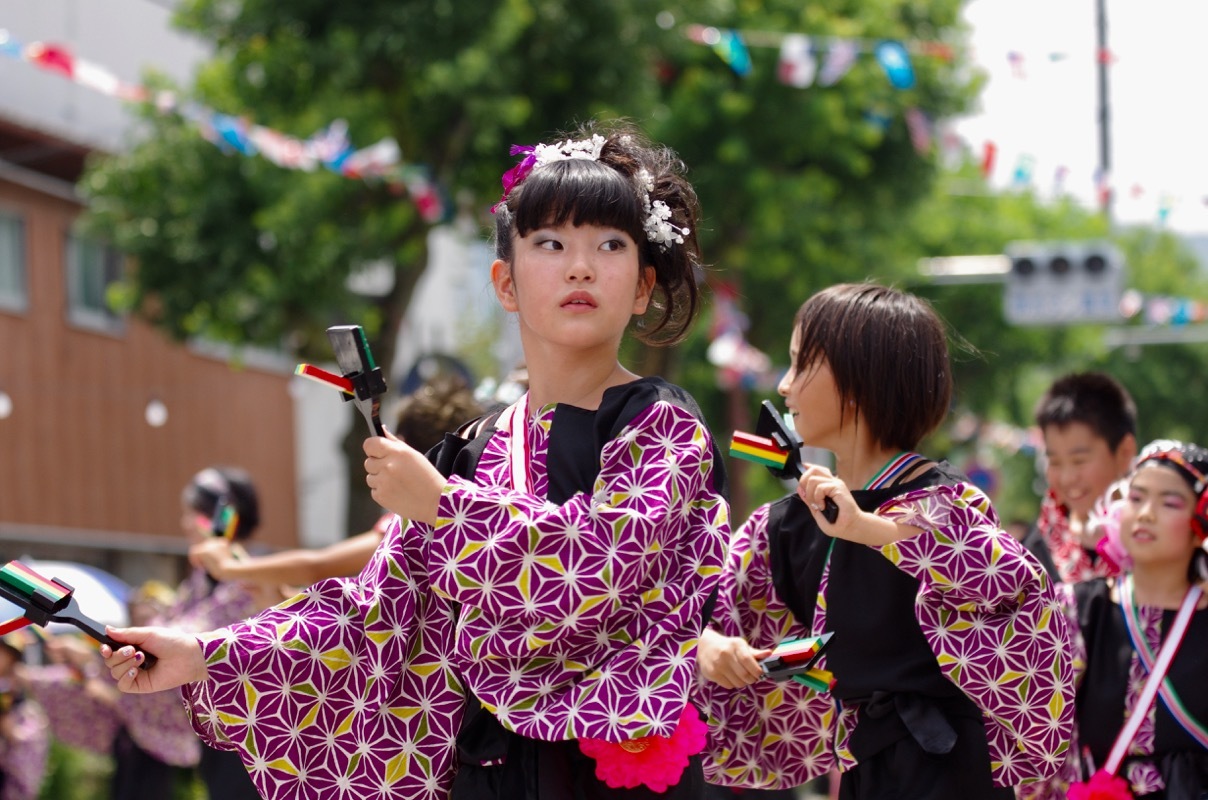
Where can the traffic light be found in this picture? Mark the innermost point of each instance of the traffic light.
(1053, 283)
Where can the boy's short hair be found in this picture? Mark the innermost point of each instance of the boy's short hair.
(1095, 399)
(888, 351)
(441, 405)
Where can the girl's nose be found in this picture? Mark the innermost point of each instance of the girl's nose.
(580, 268)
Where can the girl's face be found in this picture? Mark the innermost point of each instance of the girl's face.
(194, 524)
(812, 400)
(1155, 522)
(574, 287)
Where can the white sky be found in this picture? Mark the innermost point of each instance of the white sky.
(1158, 103)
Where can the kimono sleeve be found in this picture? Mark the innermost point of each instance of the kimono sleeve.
(652, 512)
(765, 735)
(995, 624)
(343, 691)
(1057, 786)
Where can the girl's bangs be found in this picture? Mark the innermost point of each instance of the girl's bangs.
(580, 192)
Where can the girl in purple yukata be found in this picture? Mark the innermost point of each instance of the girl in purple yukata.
(532, 632)
(1121, 626)
(24, 732)
(951, 665)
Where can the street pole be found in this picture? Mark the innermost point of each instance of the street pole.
(1103, 56)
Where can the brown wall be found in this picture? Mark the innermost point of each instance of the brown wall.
(77, 453)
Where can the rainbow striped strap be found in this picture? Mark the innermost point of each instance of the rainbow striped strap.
(37, 596)
(760, 449)
(820, 680)
(1136, 633)
(896, 467)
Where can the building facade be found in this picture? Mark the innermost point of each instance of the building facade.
(103, 419)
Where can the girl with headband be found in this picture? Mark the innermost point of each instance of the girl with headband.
(1134, 740)
(532, 633)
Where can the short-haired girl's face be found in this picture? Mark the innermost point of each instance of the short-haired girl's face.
(812, 399)
(574, 287)
(193, 524)
(1155, 522)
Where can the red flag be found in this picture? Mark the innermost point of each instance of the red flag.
(988, 154)
(52, 57)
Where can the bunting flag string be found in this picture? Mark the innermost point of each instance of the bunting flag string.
(329, 148)
(1027, 172)
(800, 53)
(1162, 309)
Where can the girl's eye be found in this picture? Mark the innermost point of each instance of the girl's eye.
(549, 244)
(613, 245)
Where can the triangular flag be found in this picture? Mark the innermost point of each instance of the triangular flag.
(797, 66)
(896, 62)
(1023, 170)
(733, 51)
(839, 60)
(52, 57)
(920, 130)
(987, 162)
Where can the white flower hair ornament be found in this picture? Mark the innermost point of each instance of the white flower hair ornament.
(588, 149)
(657, 225)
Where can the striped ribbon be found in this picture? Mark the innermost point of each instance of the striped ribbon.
(894, 468)
(1166, 691)
(514, 420)
(899, 465)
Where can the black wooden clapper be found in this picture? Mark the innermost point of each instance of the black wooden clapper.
(46, 600)
(772, 425)
(356, 362)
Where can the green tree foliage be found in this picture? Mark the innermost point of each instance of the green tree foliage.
(237, 249)
(1001, 370)
(797, 185)
(797, 182)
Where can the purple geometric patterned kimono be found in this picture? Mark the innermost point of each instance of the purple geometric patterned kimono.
(1163, 760)
(987, 614)
(569, 620)
(23, 757)
(159, 723)
(77, 717)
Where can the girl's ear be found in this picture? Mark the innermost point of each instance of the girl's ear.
(505, 287)
(641, 300)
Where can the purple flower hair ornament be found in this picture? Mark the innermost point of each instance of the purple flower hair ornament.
(542, 154)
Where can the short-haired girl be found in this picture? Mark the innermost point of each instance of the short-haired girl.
(951, 667)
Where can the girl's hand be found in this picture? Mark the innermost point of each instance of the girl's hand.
(819, 483)
(728, 660)
(401, 479)
(179, 654)
(212, 554)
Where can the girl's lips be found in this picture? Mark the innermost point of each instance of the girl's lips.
(579, 299)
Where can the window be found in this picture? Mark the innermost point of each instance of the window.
(13, 291)
(91, 268)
